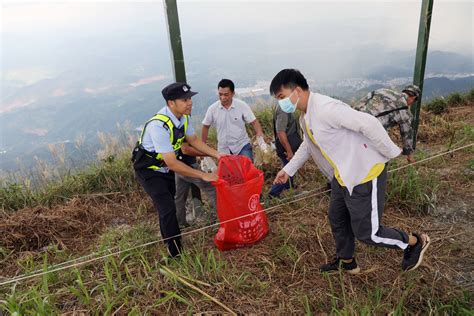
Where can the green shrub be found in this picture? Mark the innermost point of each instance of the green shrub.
(14, 196)
(455, 99)
(264, 115)
(413, 190)
(470, 96)
(114, 174)
(437, 106)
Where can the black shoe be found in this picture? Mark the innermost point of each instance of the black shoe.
(351, 267)
(272, 198)
(174, 247)
(413, 255)
(184, 225)
(327, 190)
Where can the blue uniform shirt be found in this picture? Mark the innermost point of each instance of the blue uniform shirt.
(157, 138)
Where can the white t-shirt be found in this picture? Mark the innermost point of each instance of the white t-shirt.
(230, 124)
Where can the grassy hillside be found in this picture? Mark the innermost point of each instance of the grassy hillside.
(102, 210)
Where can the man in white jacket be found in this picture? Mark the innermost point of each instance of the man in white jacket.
(351, 149)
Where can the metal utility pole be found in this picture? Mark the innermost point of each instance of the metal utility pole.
(420, 62)
(176, 48)
(174, 35)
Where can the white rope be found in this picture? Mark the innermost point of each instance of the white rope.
(62, 266)
(80, 261)
(432, 157)
(117, 247)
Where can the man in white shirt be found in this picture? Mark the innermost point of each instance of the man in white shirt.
(351, 149)
(229, 115)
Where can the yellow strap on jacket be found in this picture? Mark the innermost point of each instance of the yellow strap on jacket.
(373, 173)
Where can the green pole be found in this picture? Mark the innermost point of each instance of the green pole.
(174, 35)
(420, 61)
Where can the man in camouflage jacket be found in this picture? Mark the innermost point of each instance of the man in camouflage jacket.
(393, 108)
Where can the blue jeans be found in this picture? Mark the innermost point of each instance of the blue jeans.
(247, 152)
(276, 189)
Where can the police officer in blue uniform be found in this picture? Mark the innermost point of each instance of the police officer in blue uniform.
(155, 161)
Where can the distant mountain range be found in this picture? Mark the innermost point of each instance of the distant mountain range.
(435, 86)
(401, 64)
(78, 104)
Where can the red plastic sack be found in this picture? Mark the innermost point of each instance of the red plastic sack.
(238, 194)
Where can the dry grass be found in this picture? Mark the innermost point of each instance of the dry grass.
(82, 218)
(279, 275)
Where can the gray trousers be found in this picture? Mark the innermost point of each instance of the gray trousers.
(183, 184)
(359, 215)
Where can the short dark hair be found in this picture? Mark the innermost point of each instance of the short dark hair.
(288, 78)
(226, 83)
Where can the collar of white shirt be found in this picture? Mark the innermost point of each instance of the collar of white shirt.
(232, 106)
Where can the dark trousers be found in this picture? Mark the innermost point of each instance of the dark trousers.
(161, 188)
(277, 189)
(359, 215)
(182, 188)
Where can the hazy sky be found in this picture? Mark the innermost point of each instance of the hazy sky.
(105, 61)
(451, 23)
(37, 27)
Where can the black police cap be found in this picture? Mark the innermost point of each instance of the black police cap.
(177, 90)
